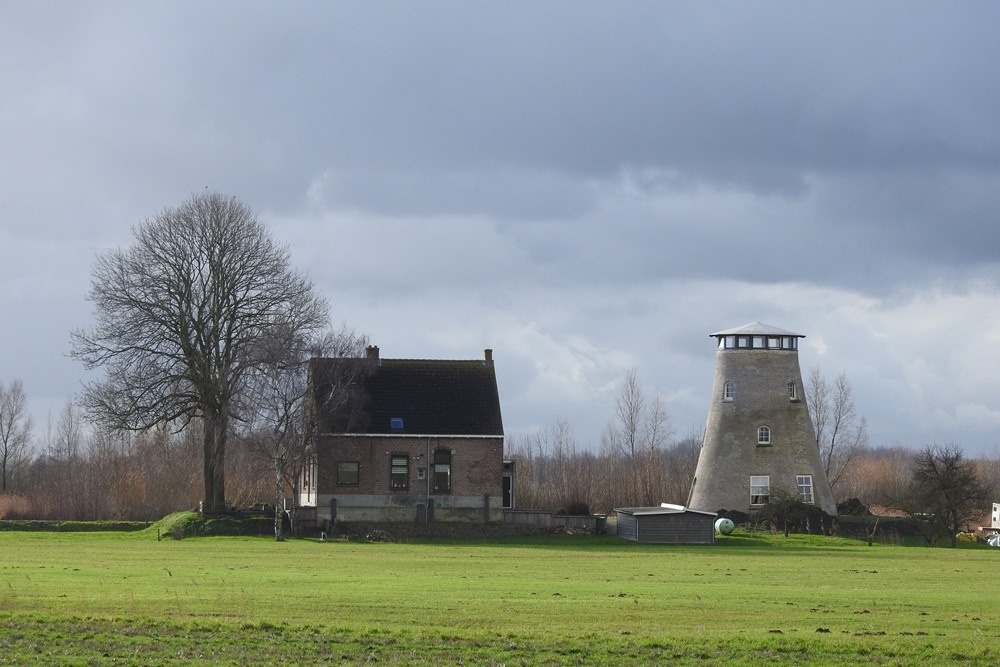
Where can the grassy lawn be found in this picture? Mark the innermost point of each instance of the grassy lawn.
(127, 598)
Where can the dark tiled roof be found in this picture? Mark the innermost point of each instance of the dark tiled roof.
(410, 396)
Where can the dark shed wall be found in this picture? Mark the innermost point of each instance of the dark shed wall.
(627, 527)
(676, 528)
(686, 528)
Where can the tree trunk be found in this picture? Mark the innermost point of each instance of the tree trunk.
(278, 501)
(215, 426)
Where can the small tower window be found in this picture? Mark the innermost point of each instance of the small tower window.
(764, 435)
(729, 393)
(760, 489)
(793, 392)
(805, 484)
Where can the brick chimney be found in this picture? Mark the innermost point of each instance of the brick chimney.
(489, 355)
(371, 352)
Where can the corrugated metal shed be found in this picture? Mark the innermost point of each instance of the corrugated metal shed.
(666, 524)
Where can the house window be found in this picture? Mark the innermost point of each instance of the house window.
(348, 472)
(442, 471)
(793, 392)
(764, 435)
(729, 393)
(400, 475)
(308, 474)
(760, 489)
(805, 484)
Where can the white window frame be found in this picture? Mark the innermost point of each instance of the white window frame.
(729, 391)
(760, 490)
(793, 391)
(805, 484)
(764, 435)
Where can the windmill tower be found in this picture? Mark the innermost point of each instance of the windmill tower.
(759, 439)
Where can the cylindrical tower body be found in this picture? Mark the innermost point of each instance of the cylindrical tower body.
(759, 439)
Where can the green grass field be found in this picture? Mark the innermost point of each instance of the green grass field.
(127, 598)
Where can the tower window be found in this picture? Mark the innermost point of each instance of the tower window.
(763, 435)
(793, 393)
(760, 489)
(805, 484)
(729, 392)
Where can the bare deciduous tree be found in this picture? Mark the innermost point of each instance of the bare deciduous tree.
(275, 396)
(841, 435)
(639, 425)
(945, 493)
(15, 431)
(638, 433)
(179, 315)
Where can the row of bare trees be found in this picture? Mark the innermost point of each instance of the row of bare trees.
(74, 471)
(86, 470)
(640, 463)
(554, 474)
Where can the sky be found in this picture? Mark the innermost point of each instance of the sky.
(585, 188)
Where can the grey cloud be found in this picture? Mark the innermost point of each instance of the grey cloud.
(618, 180)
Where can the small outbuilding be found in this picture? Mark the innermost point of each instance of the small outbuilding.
(666, 524)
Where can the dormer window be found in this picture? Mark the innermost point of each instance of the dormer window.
(729, 392)
(396, 423)
(764, 436)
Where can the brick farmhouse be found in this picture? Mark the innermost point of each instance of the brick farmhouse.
(409, 440)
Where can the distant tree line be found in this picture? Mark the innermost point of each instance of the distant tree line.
(558, 475)
(76, 472)
(640, 463)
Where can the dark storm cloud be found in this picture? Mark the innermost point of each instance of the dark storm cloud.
(586, 187)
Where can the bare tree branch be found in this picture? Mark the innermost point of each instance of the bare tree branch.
(275, 397)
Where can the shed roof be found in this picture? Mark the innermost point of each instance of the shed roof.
(664, 508)
(757, 329)
(410, 396)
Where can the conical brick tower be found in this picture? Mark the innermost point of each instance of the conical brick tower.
(759, 439)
